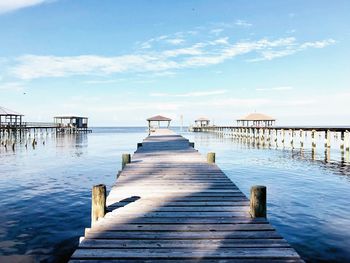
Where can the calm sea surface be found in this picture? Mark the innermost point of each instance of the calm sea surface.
(45, 192)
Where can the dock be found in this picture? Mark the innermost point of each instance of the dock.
(170, 205)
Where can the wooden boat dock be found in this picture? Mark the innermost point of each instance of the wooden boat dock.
(170, 205)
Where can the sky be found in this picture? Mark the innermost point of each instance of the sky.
(120, 62)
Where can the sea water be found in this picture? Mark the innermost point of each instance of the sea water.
(45, 191)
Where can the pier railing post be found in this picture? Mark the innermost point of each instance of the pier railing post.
(258, 201)
(98, 203)
(126, 158)
(211, 157)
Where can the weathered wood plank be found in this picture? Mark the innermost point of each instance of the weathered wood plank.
(202, 260)
(187, 253)
(182, 235)
(182, 243)
(183, 227)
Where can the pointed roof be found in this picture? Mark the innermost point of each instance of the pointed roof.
(7, 112)
(257, 117)
(158, 118)
(202, 119)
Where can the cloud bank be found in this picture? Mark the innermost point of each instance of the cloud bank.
(199, 54)
(12, 5)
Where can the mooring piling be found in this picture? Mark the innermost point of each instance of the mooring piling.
(258, 201)
(98, 203)
(211, 157)
(126, 158)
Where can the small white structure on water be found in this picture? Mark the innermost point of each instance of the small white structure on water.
(256, 120)
(202, 122)
(156, 121)
(10, 118)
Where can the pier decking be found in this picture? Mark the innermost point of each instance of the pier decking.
(170, 205)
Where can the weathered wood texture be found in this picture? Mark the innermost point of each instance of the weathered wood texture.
(98, 203)
(170, 205)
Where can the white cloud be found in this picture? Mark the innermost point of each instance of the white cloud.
(318, 44)
(175, 41)
(11, 86)
(282, 88)
(190, 94)
(195, 55)
(12, 5)
(242, 23)
(216, 31)
(104, 81)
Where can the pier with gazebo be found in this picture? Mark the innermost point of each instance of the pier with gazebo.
(158, 122)
(14, 129)
(261, 130)
(256, 120)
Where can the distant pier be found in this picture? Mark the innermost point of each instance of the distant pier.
(312, 137)
(13, 129)
(170, 204)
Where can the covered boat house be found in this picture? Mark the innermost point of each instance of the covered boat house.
(256, 120)
(202, 122)
(71, 124)
(10, 119)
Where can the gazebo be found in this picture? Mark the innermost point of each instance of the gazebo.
(202, 122)
(10, 118)
(72, 123)
(155, 121)
(256, 120)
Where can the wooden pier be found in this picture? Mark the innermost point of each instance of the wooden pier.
(169, 204)
(294, 136)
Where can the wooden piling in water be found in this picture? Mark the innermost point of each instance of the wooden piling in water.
(126, 158)
(211, 157)
(313, 136)
(328, 139)
(98, 203)
(258, 201)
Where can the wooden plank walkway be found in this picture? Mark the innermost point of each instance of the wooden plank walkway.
(170, 205)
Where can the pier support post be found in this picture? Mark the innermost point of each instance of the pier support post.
(328, 139)
(211, 157)
(347, 141)
(98, 204)
(258, 201)
(342, 135)
(313, 136)
(126, 158)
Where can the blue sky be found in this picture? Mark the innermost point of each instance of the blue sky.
(119, 62)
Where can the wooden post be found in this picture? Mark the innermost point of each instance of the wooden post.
(313, 135)
(192, 144)
(211, 157)
(342, 141)
(126, 158)
(347, 141)
(98, 203)
(328, 139)
(139, 144)
(258, 201)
